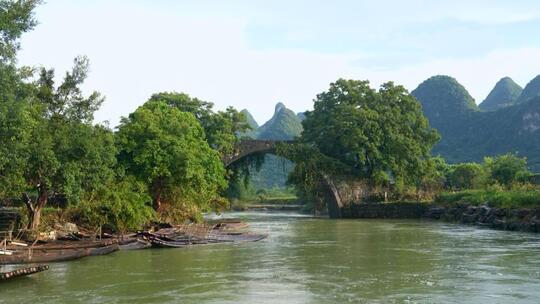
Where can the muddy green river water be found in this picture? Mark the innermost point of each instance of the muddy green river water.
(307, 260)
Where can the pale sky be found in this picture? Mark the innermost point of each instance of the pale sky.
(252, 54)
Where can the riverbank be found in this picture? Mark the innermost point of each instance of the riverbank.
(513, 219)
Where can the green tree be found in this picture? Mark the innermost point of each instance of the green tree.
(221, 128)
(467, 176)
(122, 204)
(16, 18)
(166, 149)
(50, 144)
(381, 136)
(507, 169)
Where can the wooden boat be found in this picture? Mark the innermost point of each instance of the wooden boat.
(58, 245)
(103, 250)
(42, 256)
(48, 254)
(4, 276)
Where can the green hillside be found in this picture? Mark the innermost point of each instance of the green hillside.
(504, 94)
(442, 96)
(250, 120)
(252, 123)
(531, 90)
(470, 135)
(449, 108)
(283, 125)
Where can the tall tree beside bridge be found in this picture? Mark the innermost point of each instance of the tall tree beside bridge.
(377, 135)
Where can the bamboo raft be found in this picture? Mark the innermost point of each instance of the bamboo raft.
(228, 231)
(202, 234)
(4, 276)
(134, 244)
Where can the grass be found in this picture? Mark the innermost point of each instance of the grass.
(515, 198)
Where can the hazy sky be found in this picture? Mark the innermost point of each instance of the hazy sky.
(252, 54)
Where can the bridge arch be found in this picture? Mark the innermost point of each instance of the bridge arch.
(249, 147)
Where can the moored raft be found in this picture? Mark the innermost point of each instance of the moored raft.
(189, 235)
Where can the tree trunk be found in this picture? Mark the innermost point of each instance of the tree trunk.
(157, 194)
(34, 208)
(157, 200)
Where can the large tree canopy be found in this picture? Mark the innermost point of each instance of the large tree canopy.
(378, 134)
(221, 128)
(166, 148)
(54, 148)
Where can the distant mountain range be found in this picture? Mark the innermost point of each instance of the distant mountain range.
(507, 121)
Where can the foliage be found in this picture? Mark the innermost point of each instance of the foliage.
(502, 181)
(221, 128)
(356, 132)
(504, 94)
(507, 169)
(166, 149)
(50, 144)
(311, 170)
(381, 136)
(513, 198)
(16, 18)
(467, 176)
(435, 178)
(122, 205)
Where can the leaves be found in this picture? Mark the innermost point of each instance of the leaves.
(375, 133)
(166, 149)
(16, 18)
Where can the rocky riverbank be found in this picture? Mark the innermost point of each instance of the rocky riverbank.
(497, 218)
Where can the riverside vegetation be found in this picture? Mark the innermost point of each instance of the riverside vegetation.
(163, 162)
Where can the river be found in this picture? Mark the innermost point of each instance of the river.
(307, 260)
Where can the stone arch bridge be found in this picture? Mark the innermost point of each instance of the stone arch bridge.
(249, 147)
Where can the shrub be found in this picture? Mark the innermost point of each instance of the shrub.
(507, 169)
(467, 176)
(493, 198)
